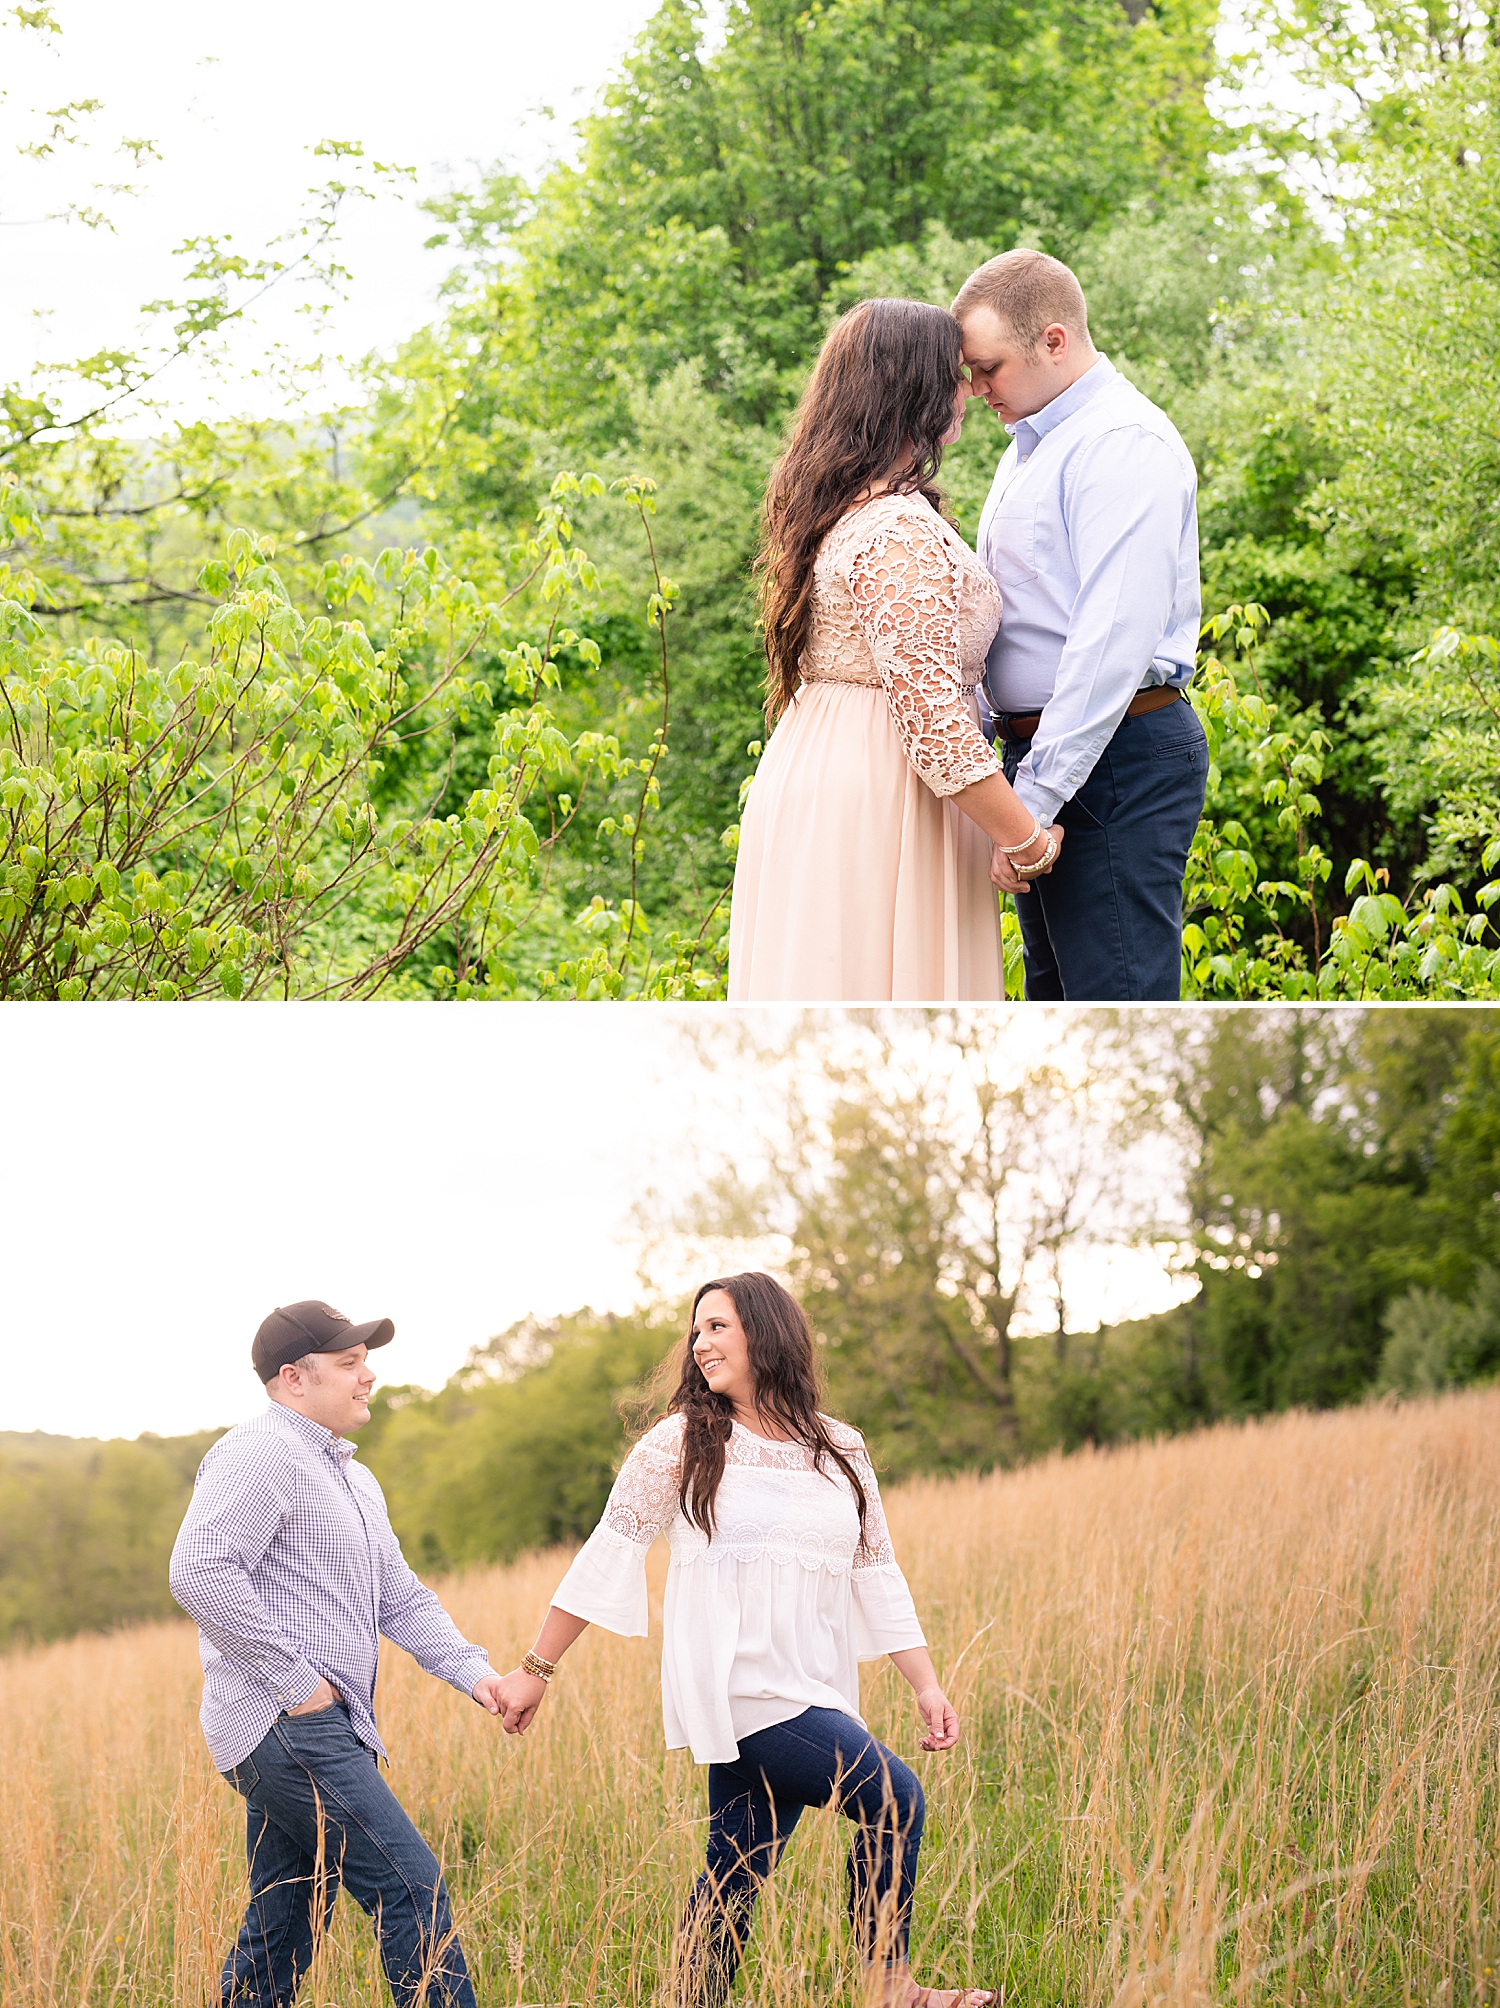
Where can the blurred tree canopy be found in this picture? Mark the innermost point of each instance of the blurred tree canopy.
(1325, 1185)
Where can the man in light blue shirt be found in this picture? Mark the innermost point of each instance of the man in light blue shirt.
(1091, 533)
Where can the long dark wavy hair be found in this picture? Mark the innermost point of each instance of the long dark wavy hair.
(876, 407)
(786, 1392)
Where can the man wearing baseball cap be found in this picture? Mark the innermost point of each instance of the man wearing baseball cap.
(288, 1563)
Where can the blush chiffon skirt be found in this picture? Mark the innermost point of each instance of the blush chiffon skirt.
(854, 883)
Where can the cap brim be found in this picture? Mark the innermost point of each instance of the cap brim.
(378, 1332)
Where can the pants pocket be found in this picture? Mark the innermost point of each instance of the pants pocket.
(243, 1777)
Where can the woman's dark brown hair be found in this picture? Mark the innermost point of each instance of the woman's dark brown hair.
(878, 403)
(785, 1371)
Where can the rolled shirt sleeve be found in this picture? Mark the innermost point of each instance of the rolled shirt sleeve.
(1127, 501)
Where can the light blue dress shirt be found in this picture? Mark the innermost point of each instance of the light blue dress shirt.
(1091, 533)
(288, 1563)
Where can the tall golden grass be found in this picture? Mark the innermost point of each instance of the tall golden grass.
(1231, 1736)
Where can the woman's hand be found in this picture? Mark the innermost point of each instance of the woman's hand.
(1003, 871)
(938, 1712)
(518, 1697)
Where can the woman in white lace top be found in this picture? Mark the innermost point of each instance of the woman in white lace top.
(879, 822)
(782, 1579)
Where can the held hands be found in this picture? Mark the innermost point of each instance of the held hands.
(486, 1692)
(514, 1697)
(938, 1712)
(1003, 871)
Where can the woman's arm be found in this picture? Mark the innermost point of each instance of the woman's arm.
(904, 587)
(521, 1694)
(936, 1710)
(998, 810)
(607, 1578)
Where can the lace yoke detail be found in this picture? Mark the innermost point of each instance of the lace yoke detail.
(900, 600)
(775, 1513)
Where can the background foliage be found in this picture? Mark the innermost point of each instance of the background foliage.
(1311, 297)
(1323, 1183)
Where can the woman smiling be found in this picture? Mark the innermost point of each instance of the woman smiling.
(782, 1579)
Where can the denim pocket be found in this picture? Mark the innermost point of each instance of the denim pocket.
(243, 1776)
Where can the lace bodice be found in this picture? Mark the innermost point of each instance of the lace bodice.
(792, 1518)
(770, 1617)
(901, 601)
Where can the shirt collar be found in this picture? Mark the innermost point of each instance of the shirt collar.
(314, 1435)
(1074, 398)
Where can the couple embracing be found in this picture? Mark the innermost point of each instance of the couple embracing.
(880, 820)
(782, 1579)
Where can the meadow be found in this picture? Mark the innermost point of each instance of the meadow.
(1231, 1736)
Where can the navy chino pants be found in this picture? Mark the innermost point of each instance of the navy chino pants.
(1105, 924)
(819, 1756)
(319, 1815)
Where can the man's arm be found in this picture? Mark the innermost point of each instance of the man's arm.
(1129, 494)
(412, 1617)
(231, 1521)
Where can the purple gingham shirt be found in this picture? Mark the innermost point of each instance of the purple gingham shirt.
(288, 1564)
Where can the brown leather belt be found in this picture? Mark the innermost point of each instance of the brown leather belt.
(1023, 724)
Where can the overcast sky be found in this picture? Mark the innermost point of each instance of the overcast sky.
(233, 104)
(169, 1175)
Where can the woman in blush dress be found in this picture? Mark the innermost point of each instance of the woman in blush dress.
(879, 822)
(782, 1579)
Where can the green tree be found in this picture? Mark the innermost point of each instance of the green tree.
(1335, 1169)
(86, 1528)
(934, 1199)
(520, 1448)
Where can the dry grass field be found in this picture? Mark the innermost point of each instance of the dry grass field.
(1231, 1735)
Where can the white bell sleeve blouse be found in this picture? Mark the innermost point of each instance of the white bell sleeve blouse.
(770, 1617)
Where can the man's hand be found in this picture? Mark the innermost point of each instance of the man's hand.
(1003, 871)
(938, 1712)
(487, 1692)
(514, 1697)
(324, 1695)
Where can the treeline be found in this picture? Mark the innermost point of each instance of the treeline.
(650, 308)
(1326, 1182)
(86, 1527)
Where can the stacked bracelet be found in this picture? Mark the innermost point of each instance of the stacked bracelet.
(542, 1669)
(1033, 871)
(1009, 850)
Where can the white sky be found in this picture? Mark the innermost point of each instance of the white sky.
(233, 103)
(169, 1175)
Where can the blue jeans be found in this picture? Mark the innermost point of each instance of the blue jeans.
(819, 1756)
(312, 1768)
(1106, 921)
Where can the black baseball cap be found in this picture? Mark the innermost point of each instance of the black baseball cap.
(314, 1327)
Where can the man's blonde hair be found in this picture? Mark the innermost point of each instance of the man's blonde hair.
(1029, 291)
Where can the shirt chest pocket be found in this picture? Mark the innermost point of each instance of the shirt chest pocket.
(1010, 541)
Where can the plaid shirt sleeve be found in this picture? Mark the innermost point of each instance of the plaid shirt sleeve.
(224, 1539)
